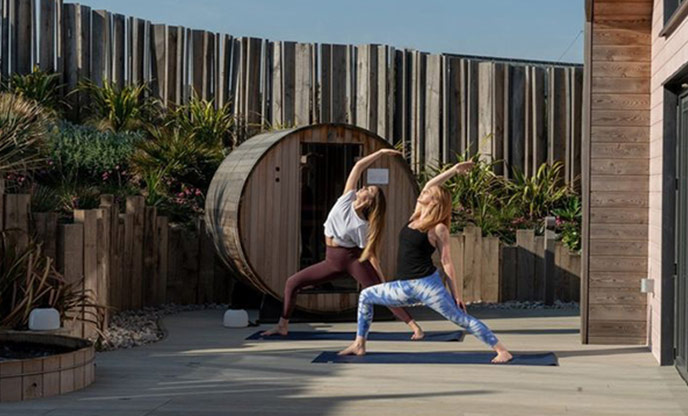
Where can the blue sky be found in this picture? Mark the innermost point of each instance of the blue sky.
(526, 29)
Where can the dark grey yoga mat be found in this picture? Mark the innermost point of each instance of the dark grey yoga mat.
(541, 359)
(349, 336)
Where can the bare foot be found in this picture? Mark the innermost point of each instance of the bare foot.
(418, 334)
(502, 357)
(353, 349)
(275, 330)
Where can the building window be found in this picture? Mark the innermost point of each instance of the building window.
(675, 12)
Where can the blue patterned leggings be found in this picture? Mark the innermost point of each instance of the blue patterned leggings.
(428, 291)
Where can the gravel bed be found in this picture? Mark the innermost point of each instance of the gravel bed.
(133, 328)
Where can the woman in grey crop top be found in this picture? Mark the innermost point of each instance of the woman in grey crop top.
(353, 231)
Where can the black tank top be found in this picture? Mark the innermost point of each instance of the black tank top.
(414, 258)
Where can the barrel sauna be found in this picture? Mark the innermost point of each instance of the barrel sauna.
(269, 198)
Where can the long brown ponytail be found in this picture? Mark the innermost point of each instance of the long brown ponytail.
(375, 214)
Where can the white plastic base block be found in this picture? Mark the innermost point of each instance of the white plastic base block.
(44, 319)
(235, 318)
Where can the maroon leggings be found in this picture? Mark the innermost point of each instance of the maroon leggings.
(337, 260)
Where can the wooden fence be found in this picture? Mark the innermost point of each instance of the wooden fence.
(128, 260)
(491, 271)
(437, 105)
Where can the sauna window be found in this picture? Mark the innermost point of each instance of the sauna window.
(324, 170)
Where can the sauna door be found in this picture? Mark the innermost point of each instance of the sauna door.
(681, 297)
(324, 170)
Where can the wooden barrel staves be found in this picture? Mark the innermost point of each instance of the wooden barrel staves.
(268, 200)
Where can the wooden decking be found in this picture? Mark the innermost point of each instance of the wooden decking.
(204, 369)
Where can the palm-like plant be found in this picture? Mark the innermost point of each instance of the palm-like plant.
(24, 126)
(40, 86)
(183, 157)
(118, 109)
(539, 194)
(200, 119)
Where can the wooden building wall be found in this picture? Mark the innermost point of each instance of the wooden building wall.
(616, 171)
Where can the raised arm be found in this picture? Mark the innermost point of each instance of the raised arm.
(443, 177)
(363, 164)
(442, 243)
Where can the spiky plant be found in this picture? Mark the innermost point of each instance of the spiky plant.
(29, 279)
(24, 126)
(537, 195)
(200, 119)
(40, 86)
(119, 108)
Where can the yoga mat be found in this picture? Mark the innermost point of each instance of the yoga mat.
(349, 336)
(542, 359)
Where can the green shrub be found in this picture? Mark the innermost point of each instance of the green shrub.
(83, 154)
(569, 220)
(201, 120)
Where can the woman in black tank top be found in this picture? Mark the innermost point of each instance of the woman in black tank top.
(419, 281)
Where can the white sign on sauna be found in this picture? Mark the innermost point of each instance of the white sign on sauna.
(378, 176)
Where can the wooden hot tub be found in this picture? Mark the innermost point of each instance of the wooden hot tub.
(59, 365)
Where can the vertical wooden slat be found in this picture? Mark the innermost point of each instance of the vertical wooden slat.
(451, 114)
(137, 50)
(174, 289)
(126, 264)
(575, 100)
(433, 111)
(252, 104)
(209, 65)
(303, 83)
(525, 241)
(266, 83)
(539, 275)
(70, 42)
(490, 283)
(338, 113)
(189, 269)
(556, 117)
(159, 67)
(417, 113)
(384, 93)
(491, 112)
(198, 61)
(150, 252)
(24, 21)
(277, 108)
(471, 105)
(162, 233)
(101, 53)
(472, 263)
(514, 133)
(104, 250)
(16, 219)
(206, 265)
(70, 259)
(399, 110)
(5, 37)
(509, 272)
(118, 46)
(135, 211)
(89, 221)
(351, 59)
(45, 229)
(46, 48)
(538, 115)
(457, 246)
(326, 83)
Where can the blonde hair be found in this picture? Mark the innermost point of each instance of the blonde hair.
(375, 214)
(437, 211)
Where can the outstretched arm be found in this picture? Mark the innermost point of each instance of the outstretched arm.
(363, 164)
(442, 242)
(443, 177)
(378, 269)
